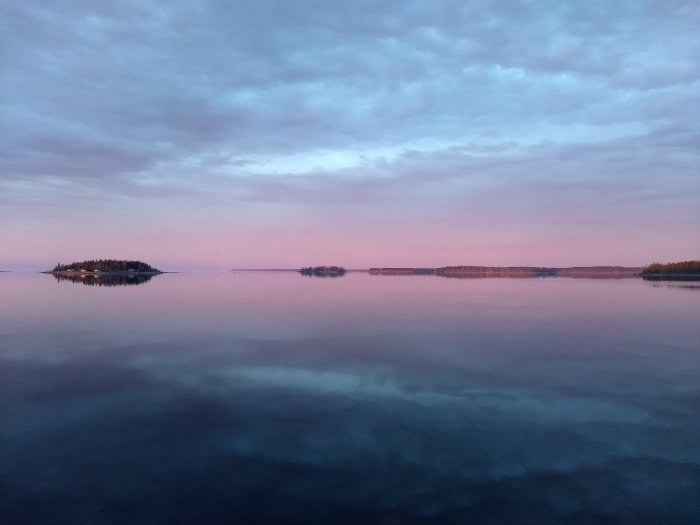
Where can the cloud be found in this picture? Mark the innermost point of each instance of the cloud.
(358, 104)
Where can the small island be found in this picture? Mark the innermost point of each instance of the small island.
(322, 271)
(105, 266)
(105, 272)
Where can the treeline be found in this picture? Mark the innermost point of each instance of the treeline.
(677, 268)
(493, 271)
(106, 265)
(512, 271)
(323, 271)
(599, 271)
(401, 271)
(467, 271)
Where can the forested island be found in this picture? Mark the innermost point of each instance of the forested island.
(105, 266)
(465, 272)
(683, 270)
(323, 271)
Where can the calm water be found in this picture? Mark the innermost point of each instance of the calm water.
(273, 398)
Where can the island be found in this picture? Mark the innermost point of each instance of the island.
(105, 272)
(681, 271)
(322, 271)
(105, 266)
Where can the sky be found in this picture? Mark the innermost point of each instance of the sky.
(215, 135)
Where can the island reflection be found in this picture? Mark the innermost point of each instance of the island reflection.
(124, 279)
(323, 275)
(670, 277)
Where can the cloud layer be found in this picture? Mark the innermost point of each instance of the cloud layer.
(503, 132)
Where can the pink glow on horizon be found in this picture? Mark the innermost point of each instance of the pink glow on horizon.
(352, 247)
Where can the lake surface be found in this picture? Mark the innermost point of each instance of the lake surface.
(276, 398)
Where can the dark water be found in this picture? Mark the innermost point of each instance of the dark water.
(272, 398)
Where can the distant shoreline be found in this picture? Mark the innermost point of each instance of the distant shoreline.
(610, 272)
(615, 272)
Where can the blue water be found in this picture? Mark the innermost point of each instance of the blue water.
(273, 398)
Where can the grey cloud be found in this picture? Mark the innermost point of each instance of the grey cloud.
(192, 101)
(313, 65)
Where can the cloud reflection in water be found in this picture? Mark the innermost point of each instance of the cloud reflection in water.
(244, 424)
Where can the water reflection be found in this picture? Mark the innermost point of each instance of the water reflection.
(123, 279)
(671, 277)
(680, 284)
(259, 398)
